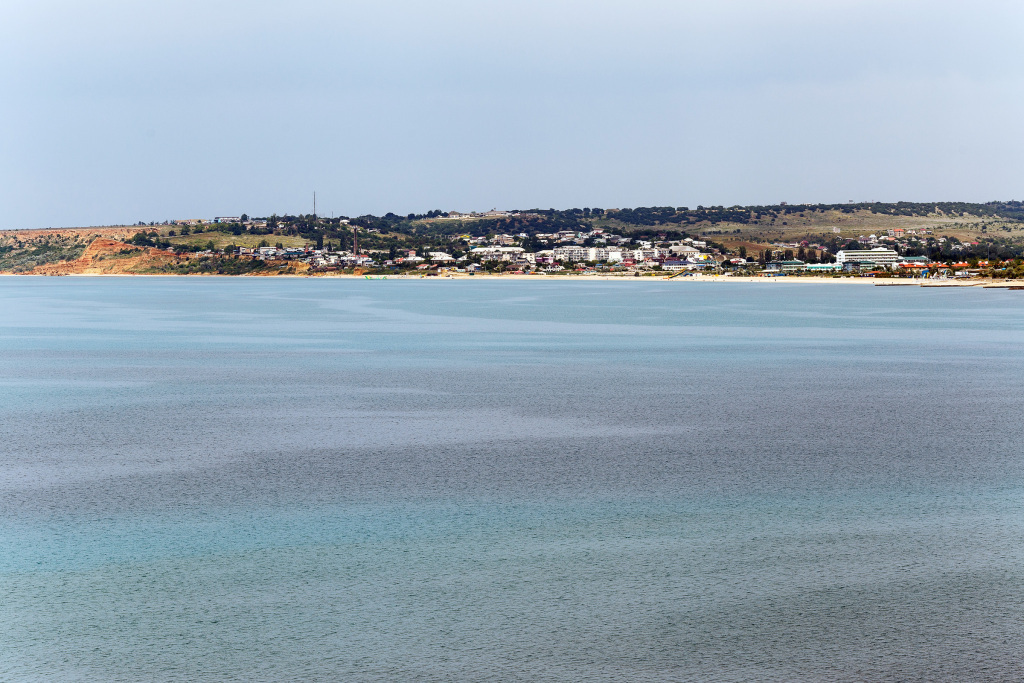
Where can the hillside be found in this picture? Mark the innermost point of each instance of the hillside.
(110, 257)
(995, 229)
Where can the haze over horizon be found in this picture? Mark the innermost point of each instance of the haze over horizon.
(116, 112)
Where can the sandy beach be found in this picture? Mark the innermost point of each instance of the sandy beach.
(806, 280)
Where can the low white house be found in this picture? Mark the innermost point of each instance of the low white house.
(683, 250)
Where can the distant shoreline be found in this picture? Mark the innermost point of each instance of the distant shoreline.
(883, 282)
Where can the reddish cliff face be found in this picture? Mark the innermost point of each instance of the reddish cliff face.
(109, 257)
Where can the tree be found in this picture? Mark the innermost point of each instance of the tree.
(743, 252)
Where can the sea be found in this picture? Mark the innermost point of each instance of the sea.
(260, 479)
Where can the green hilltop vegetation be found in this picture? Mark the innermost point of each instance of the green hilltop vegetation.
(753, 226)
(19, 254)
(635, 219)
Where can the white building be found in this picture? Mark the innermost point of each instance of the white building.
(879, 256)
(497, 253)
(571, 252)
(649, 254)
(684, 250)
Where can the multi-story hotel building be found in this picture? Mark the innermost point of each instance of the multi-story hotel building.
(879, 256)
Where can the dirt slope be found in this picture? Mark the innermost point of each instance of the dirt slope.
(109, 257)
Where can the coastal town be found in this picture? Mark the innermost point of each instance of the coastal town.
(897, 251)
(784, 241)
(597, 251)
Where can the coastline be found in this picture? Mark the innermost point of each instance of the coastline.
(882, 282)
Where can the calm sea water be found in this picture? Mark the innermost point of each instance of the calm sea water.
(254, 479)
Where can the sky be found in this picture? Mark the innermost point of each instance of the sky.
(116, 112)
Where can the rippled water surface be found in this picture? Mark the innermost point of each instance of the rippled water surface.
(253, 479)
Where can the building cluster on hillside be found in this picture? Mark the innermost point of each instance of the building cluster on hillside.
(593, 250)
(566, 250)
(600, 249)
(891, 251)
(243, 221)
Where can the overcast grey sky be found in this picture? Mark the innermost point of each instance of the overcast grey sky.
(114, 112)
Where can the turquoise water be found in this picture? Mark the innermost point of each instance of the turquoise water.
(251, 479)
